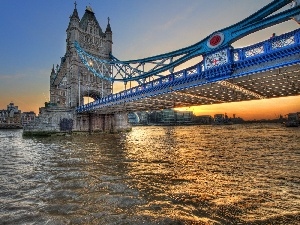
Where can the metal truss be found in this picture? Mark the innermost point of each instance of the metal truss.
(140, 69)
(239, 88)
(195, 85)
(194, 96)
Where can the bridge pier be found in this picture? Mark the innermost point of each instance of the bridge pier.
(104, 123)
(60, 120)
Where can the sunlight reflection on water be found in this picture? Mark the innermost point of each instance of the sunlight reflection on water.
(240, 174)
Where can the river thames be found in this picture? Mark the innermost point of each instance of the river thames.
(234, 174)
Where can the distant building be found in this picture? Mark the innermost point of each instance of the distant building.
(3, 116)
(219, 118)
(183, 116)
(203, 119)
(166, 116)
(133, 118)
(10, 117)
(293, 119)
(144, 117)
(138, 118)
(27, 117)
(225, 119)
(176, 117)
(155, 116)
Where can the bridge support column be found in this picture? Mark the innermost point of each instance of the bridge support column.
(90, 123)
(107, 123)
(121, 122)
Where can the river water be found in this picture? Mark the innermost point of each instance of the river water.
(234, 174)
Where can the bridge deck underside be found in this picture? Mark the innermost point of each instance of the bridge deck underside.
(270, 84)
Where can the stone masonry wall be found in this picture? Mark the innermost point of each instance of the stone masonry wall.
(53, 120)
(48, 121)
(109, 123)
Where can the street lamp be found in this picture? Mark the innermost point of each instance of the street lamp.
(79, 87)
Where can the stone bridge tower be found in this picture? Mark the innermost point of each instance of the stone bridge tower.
(71, 81)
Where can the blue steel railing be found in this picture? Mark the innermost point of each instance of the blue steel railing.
(274, 48)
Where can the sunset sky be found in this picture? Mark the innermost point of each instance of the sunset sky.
(33, 35)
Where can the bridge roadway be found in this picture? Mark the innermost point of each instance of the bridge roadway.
(268, 69)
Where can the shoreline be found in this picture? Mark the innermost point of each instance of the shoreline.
(11, 126)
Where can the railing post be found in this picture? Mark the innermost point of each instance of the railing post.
(241, 53)
(184, 73)
(198, 69)
(297, 37)
(267, 47)
(230, 55)
(171, 78)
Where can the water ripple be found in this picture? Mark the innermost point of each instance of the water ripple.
(240, 174)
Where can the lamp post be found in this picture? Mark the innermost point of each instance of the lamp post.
(89, 80)
(102, 88)
(88, 94)
(78, 86)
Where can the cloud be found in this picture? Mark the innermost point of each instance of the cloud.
(172, 22)
(11, 76)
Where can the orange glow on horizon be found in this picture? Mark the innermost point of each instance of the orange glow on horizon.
(250, 110)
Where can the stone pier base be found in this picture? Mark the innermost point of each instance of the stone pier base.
(108, 123)
(56, 120)
(51, 120)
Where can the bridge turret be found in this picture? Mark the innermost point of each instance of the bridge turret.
(52, 86)
(73, 28)
(52, 75)
(108, 34)
(72, 81)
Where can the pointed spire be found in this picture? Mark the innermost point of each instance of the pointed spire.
(108, 28)
(75, 13)
(89, 8)
(53, 71)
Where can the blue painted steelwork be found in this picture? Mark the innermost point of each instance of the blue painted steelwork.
(233, 66)
(133, 70)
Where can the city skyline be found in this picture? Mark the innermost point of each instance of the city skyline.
(34, 40)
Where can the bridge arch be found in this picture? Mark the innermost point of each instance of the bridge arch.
(89, 95)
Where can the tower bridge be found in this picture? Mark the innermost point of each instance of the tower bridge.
(264, 70)
(268, 69)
